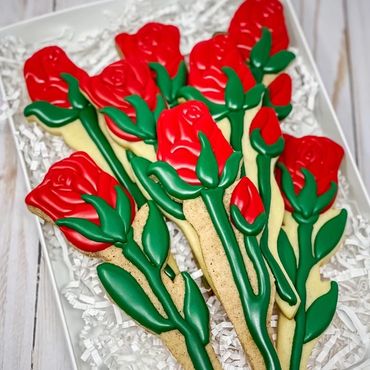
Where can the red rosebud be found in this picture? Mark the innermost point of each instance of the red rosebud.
(205, 67)
(246, 197)
(320, 155)
(42, 75)
(154, 42)
(59, 195)
(267, 121)
(178, 141)
(248, 21)
(280, 90)
(117, 81)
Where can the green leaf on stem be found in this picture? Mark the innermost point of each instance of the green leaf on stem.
(195, 309)
(131, 298)
(287, 255)
(154, 189)
(75, 97)
(243, 225)
(288, 186)
(124, 122)
(86, 228)
(155, 238)
(308, 195)
(271, 150)
(163, 80)
(110, 220)
(123, 207)
(231, 170)
(261, 50)
(172, 182)
(254, 96)
(325, 199)
(278, 62)
(320, 313)
(51, 115)
(159, 107)
(179, 80)
(207, 166)
(329, 235)
(234, 91)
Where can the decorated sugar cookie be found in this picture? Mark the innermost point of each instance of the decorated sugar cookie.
(196, 165)
(308, 177)
(59, 107)
(98, 216)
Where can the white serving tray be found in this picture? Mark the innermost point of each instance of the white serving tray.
(87, 19)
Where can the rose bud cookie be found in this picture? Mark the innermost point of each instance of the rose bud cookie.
(311, 234)
(198, 167)
(98, 217)
(53, 82)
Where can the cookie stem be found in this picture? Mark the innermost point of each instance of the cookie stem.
(236, 119)
(306, 262)
(253, 305)
(283, 285)
(89, 120)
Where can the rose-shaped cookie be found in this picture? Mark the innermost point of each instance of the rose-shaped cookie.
(117, 81)
(178, 139)
(246, 198)
(42, 75)
(319, 155)
(154, 42)
(206, 61)
(60, 196)
(268, 124)
(248, 21)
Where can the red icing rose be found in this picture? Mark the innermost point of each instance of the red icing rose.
(248, 21)
(178, 141)
(205, 67)
(267, 121)
(154, 42)
(245, 196)
(42, 75)
(59, 195)
(280, 90)
(117, 81)
(320, 155)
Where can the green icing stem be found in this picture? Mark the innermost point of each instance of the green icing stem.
(195, 347)
(264, 185)
(252, 305)
(306, 262)
(89, 120)
(236, 119)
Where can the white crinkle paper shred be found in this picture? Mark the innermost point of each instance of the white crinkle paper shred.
(108, 339)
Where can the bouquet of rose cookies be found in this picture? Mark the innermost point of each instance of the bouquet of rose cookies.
(196, 141)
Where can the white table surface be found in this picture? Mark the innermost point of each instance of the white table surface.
(31, 337)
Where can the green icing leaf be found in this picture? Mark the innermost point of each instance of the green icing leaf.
(243, 225)
(231, 170)
(325, 199)
(283, 111)
(172, 182)
(140, 166)
(51, 115)
(329, 235)
(86, 228)
(159, 107)
(287, 255)
(288, 186)
(271, 150)
(144, 116)
(207, 166)
(195, 309)
(110, 220)
(123, 121)
(75, 97)
(320, 313)
(279, 61)
(155, 238)
(234, 91)
(261, 50)
(131, 298)
(308, 195)
(163, 80)
(123, 207)
(179, 80)
(253, 96)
